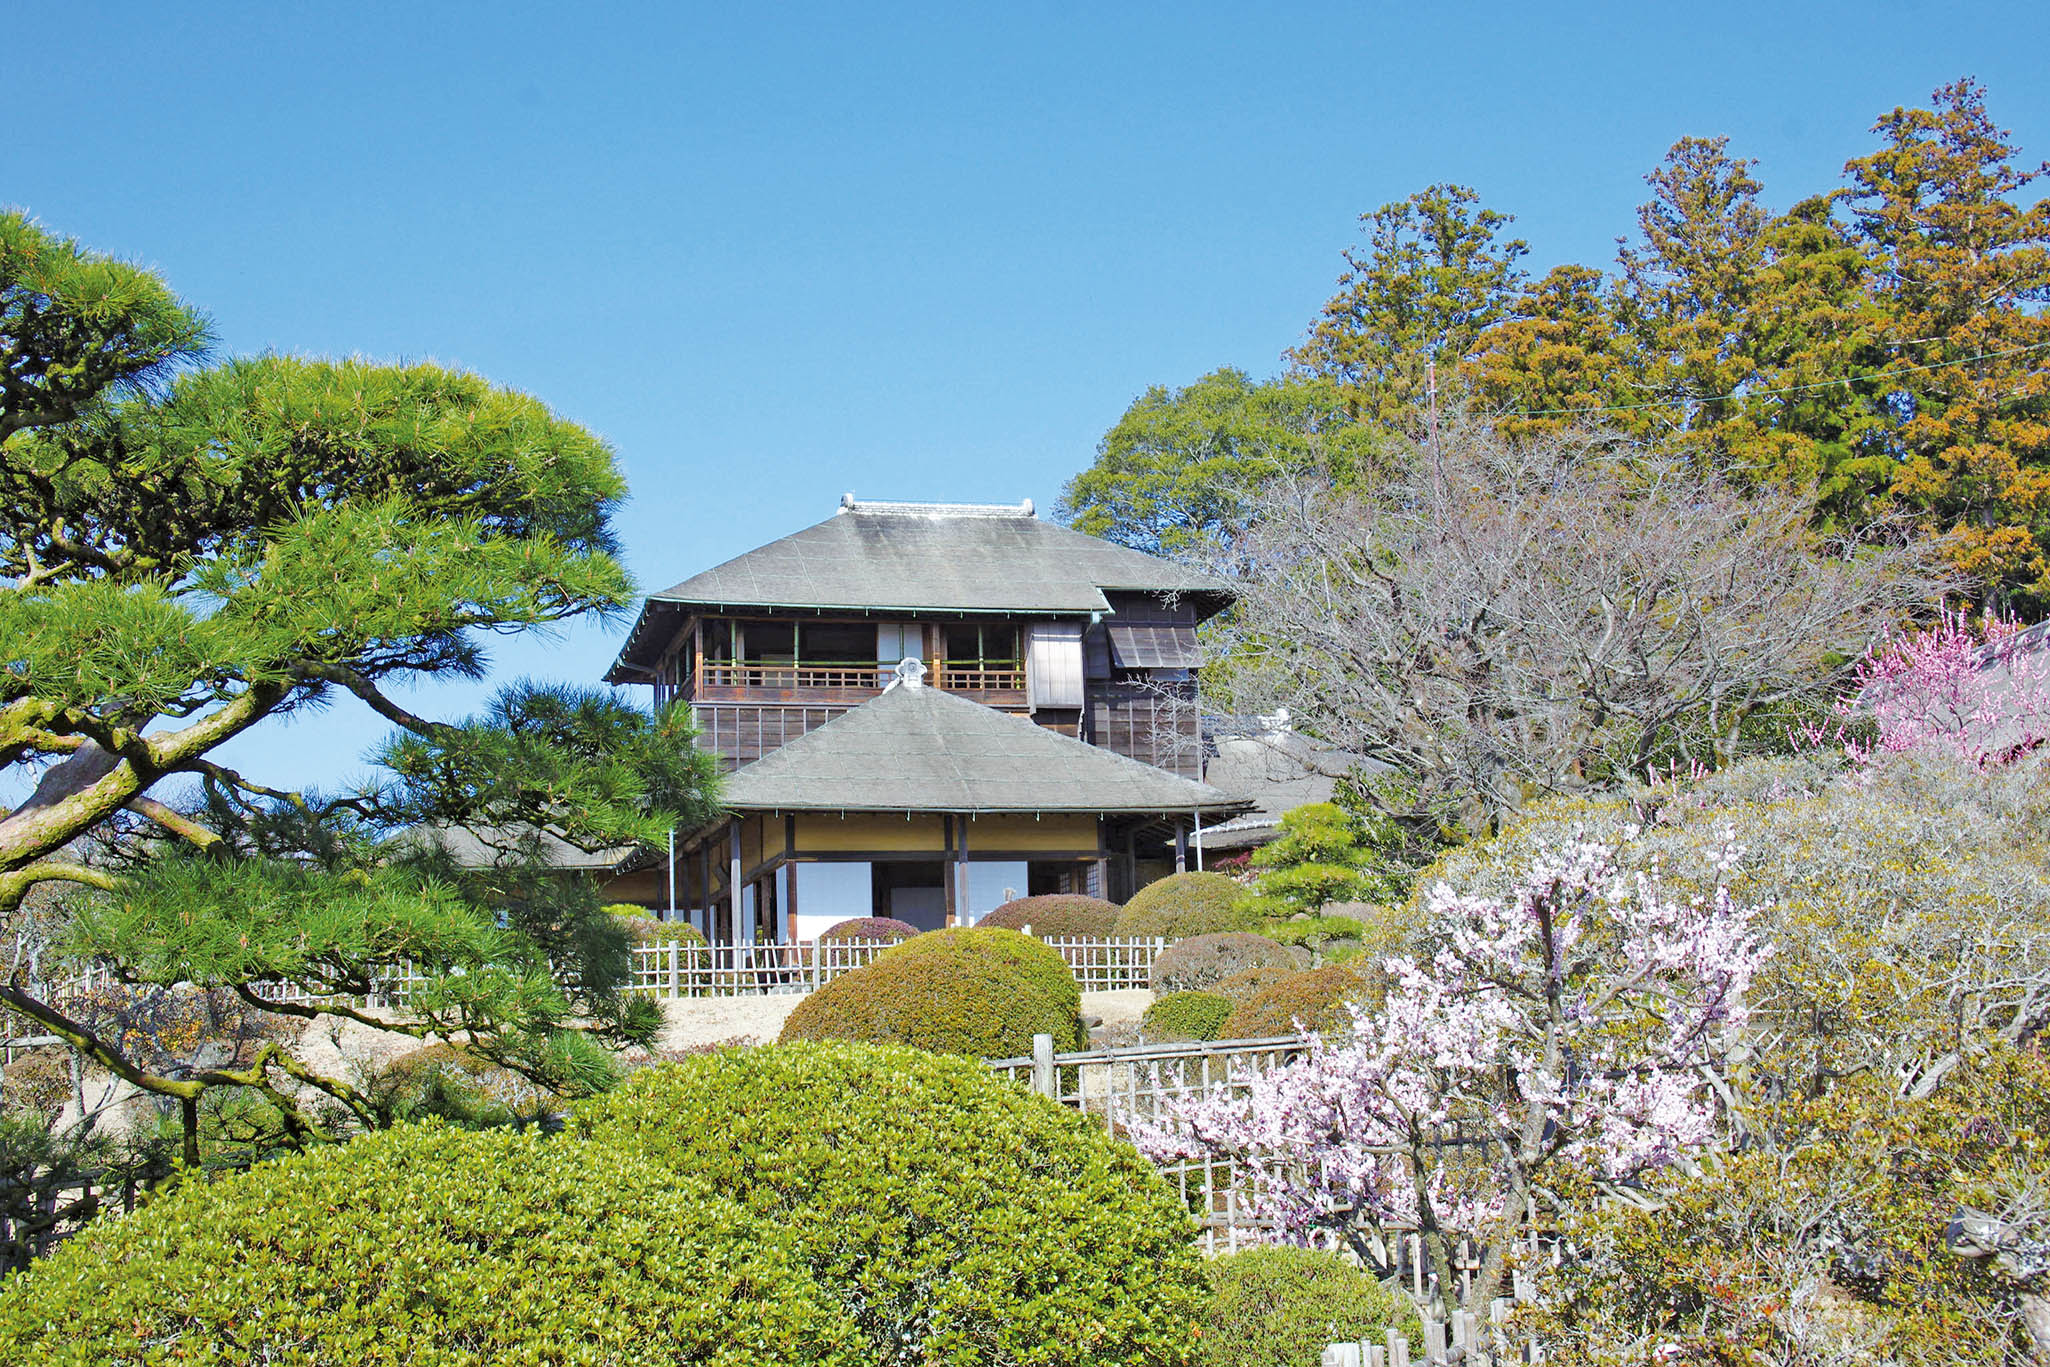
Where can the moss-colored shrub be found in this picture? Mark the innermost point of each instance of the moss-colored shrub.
(1314, 997)
(868, 928)
(964, 1219)
(983, 993)
(1201, 962)
(430, 1247)
(1186, 1016)
(1280, 1307)
(1187, 904)
(651, 930)
(1248, 983)
(1060, 913)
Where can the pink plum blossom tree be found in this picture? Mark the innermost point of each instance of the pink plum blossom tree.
(1978, 694)
(1581, 1020)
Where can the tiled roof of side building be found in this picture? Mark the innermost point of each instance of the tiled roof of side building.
(925, 557)
(919, 749)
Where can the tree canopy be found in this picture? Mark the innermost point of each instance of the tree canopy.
(194, 547)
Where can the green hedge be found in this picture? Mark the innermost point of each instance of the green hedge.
(1202, 962)
(1248, 983)
(1187, 904)
(1280, 1307)
(963, 1219)
(1314, 996)
(1313, 931)
(983, 993)
(1186, 1016)
(432, 1247)
(1058, 913)
(869, 928)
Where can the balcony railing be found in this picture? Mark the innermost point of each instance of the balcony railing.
(1008, 676)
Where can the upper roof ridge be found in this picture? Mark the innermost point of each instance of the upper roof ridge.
(848, 504)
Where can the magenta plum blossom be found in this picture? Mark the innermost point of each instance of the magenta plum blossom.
(1981, 695)
(1578, 1021)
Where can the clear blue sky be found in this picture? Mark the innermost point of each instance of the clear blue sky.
(773, 253)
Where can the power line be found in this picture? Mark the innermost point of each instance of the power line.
(1761, 393)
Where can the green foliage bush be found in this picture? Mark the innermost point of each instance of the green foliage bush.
(1249, 983)
(959, 1217)
(426, 1246)
(1186, 1016)
(1203, 961)
(868, 928)
(1848, 1195)
(1314, 997)
(1280, 1306)
(1314, 932)
(1061, 913)
(1322, 856)
(980, 992)
(1187, 904)
(653, 930)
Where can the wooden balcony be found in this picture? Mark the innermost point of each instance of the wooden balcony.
(849, 682)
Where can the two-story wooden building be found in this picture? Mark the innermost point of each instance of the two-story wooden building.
(926, 709)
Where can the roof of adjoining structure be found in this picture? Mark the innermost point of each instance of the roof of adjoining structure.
(1275, 771)
(919, 749)
(924, 557)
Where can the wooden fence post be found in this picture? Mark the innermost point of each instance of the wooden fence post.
(1044, 1080)
(675, 969)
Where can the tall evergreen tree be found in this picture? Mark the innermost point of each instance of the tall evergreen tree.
(1963, 278)
(190, 551)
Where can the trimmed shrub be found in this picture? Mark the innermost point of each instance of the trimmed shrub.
(1248, 983)
(869, 928)
(1314, 996)
(649, 930)
(1062, 913)
(963, 1219)
(1187, 904)
(1203, 961)
(983, 993)
(1186, 1016)
(1280, 1307)
(429, 1246)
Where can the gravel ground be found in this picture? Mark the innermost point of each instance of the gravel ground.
(699, 1021)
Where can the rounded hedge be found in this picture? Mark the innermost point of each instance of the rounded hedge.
(1201, 962)
(980, 992)
(432, 1247)
(1248, 983)
(1186, 1016)
(963, 1218)
(1059, 913)
(869, 928)
(1281, 1306)
(1315, 996)
(650, 930)
(1187, 904)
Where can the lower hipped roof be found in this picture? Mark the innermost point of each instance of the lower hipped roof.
(919, 749)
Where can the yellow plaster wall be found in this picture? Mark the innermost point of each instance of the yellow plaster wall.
(1055, 832)
(818, 833)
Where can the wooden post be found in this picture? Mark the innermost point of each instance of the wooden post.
(1181, 848)
(675, 970)
(788, 931)
(743, 934)
(947, 869)
(1044, 1080)
(1398, 1348)
(958, 872)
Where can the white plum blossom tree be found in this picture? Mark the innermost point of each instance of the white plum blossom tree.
(1580, 1023)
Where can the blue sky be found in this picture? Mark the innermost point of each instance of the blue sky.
(773, 253)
